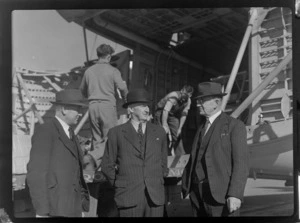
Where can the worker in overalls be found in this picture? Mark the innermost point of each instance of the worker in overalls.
(171, 112)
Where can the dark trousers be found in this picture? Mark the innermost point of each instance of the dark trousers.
(204, 205)
(145, 208)
(106, 204)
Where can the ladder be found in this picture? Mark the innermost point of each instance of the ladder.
(270, 43)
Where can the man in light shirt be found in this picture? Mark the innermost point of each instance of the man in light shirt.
(55, 175)
(217, 171)
(99, 85)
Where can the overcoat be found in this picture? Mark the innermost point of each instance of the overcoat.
(55, 177)
(129, 171)
(226, 159)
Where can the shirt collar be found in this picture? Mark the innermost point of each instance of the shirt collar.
(64, 125)
(136, 124)
(213, 117)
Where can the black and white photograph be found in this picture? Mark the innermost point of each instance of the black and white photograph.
(153, 112)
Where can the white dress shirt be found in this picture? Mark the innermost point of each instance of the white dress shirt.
(64, 125)
(135, 125)
(211, 119)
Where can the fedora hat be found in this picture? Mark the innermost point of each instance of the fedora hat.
(209, 89)
(70, 97)
(137, 96)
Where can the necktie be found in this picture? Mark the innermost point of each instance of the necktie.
(140, 134)
(140, 130)
(71, 133)
(206, 126)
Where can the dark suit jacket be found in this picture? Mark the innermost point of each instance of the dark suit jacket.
(226, 159)
(128, 171)
(55, 172)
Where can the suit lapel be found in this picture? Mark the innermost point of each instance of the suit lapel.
(207, 136)
(64, 138)
(150, 136)
(214, 131)
(194, 150)
(79, 151)
(131, 136)
(196, 140)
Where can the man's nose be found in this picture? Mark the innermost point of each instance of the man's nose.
(199, 108)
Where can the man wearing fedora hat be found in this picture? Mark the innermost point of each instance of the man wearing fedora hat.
(98, 85)
(54, 171)
(135, 160)
(217, 171)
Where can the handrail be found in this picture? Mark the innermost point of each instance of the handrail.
(239, 57)
(81, 123)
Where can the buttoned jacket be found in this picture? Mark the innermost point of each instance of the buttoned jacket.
(130, 170)
(226, 158)
(55, 177)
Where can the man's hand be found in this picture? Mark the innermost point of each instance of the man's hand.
(233, 204)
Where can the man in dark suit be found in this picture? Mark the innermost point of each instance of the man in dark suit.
(135, 161)
(217, 171)
(55, 178)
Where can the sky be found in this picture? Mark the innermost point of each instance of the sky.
(42, 40)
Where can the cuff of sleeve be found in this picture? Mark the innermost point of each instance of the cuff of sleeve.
(227, 196)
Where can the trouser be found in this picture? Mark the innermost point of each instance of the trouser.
(106, 204)
(173, 123)
(145, 208)
(204, 205)
(102, 117)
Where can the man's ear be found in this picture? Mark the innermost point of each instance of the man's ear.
(219, 101)
(108, 57)
(63, 110)
(129, 110)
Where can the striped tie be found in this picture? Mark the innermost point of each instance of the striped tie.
(141, 135)
(71, 133)
(207, 126)
(140, 131)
